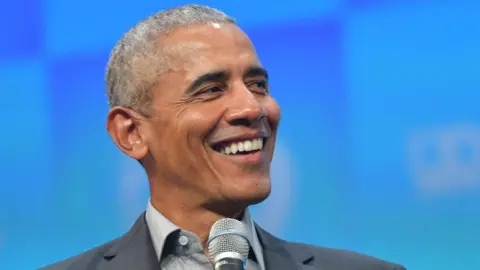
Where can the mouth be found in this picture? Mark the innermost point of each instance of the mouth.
(241, 147)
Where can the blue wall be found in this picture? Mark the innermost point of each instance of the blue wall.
(379, 148)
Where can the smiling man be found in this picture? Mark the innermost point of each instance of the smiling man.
(190, 101)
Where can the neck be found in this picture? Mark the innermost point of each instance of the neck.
(191, 215)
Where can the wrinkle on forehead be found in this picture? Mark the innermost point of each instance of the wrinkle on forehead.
(183, 55)
(184, 50)
(184, 46)
(204, 46)
(199, 37)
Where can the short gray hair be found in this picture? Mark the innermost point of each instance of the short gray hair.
(136, 61)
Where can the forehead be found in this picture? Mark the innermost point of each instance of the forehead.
(208, 46)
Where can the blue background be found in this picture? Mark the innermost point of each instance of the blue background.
(379, 147)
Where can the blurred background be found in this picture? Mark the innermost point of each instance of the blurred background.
(378, 152)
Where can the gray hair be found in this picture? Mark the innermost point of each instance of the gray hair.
(136, 61)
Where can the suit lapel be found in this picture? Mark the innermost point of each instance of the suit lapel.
(133, 251)
(277, 256)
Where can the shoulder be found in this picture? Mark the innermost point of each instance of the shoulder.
(323, 257)
(342, 259)
(81, 261)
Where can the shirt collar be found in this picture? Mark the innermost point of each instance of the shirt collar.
(160, 228)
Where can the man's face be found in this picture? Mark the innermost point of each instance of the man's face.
(214, 125)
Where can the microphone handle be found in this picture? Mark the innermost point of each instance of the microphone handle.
(229, 263)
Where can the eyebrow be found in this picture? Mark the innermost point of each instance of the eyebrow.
(254, 71)
(221, 75)
(213, 76)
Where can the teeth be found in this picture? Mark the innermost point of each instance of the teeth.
(248, 145)
(234, 148)
(240, 146)
(255, 144)
(243, 146)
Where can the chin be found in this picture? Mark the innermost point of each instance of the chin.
(251, 193)
(234, 201)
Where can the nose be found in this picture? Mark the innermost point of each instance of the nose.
(245, 109)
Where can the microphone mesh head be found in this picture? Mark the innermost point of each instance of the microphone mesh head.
(228, 235)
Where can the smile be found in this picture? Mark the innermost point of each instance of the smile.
(243, 147)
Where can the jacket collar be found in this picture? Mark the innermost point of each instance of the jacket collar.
(135, 250)
(279, 254)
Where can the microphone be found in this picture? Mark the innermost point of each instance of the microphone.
(228, 245)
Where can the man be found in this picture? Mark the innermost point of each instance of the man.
(190, 101)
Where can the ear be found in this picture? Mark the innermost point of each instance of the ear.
(125, 128)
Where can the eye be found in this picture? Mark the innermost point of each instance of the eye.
(259, 86)
(212, 90)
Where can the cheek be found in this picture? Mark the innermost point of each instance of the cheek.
(199, 122)
(273, 111)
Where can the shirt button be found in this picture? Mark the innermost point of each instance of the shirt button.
(183, 240)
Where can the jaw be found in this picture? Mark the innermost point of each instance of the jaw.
(243, 179)
(242, 175)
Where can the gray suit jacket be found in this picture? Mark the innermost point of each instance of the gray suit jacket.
(135, 251)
